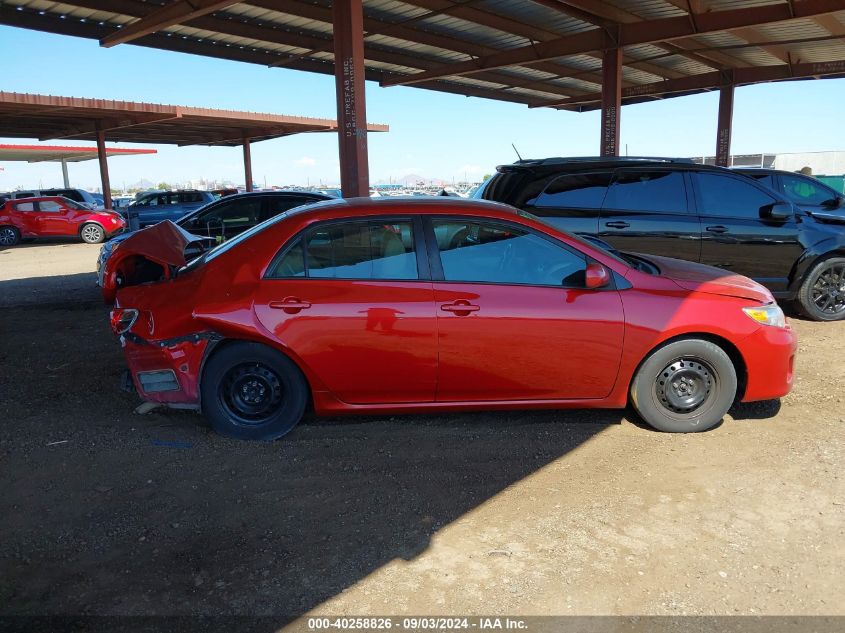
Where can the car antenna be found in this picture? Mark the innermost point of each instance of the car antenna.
(516, 150)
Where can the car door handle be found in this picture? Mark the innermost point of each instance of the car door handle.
(617, 225)
(291, 305)
(717, 229)
(460, 307)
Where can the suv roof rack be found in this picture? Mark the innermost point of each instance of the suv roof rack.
(601, 159)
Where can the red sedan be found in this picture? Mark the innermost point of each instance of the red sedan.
(55, 216)
(389, 306)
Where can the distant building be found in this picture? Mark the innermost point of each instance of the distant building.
(821, 163)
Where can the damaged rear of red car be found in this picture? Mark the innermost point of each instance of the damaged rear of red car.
(152, 254)
(140, 269)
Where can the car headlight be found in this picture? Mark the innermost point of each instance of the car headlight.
(767, 315)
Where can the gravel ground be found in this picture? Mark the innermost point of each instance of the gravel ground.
(107, 512)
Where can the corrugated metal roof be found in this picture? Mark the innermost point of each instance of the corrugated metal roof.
(492, 48)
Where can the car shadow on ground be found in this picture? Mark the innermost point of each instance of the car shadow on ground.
(78, 290)
(108, 512)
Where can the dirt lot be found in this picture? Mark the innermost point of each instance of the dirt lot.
(107, 512)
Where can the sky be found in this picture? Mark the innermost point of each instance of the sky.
(432, 134)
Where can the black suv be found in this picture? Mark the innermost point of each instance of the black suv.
(705, 214)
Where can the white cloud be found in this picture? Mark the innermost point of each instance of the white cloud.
(306, 161)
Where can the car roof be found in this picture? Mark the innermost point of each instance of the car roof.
(765, 170)
(432, 205)
(285, 193)
(591, 163)
(35, 198)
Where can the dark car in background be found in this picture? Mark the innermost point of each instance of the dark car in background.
(705, 214)
(153, 207)
(806, 192)
(81, 196)
(218, 221)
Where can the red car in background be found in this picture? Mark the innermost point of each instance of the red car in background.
(55, 216)
(390, 305)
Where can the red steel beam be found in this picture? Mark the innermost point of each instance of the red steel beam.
(611, 101)
(351, 103)
(723, 132)
(646, 32)
(104, 168)
(247, 164)
(168, 15)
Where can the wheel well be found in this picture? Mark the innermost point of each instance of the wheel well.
(799, 281)
(726, 346)
(215, 346)
(89, 223)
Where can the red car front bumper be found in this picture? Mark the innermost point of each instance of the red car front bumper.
(769, 356)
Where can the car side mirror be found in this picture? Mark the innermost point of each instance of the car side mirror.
(779, 211)
(596, 276)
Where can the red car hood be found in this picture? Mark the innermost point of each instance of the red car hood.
(701, 278)
(164, 243)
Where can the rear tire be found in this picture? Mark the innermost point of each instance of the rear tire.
(822, 295)
(250, 391)
(9, 236)
(684, 387)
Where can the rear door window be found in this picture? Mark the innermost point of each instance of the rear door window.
(25, 206)
(49, 206)
(372, 249)
(575, 191)
(652, 191)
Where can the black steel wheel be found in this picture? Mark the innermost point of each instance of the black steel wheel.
(685, 386)
(251, 391)
(822, 295)
(9, 236)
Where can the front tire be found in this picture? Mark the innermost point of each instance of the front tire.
(822, 295)
(686, 386)
(9, 236)
(250, 391)
(92, 234)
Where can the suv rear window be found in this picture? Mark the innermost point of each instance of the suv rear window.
(575, 191)
(190, 196)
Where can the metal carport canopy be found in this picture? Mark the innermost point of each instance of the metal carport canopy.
(48, 117)
(566, 54)
(63, 154)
